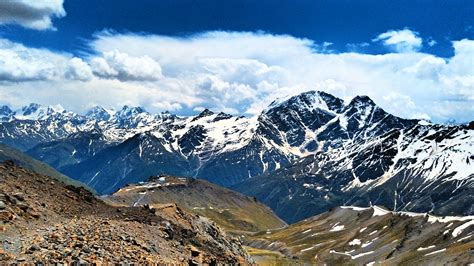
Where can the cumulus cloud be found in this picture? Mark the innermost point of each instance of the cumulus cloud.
(115, 64)
(19, 63)
(78, 70)
(236, 72)
(30, 13)
(401, 40)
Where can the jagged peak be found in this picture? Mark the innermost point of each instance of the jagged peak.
(34, 107)
(165, 115)
(132, 109)
(221, 116)
(6, 110)
(35, 111)
(127, 112)
(96, 108)
(308, 100)
(204, 113)
(30, 109)
(361, 100)
(100, 113)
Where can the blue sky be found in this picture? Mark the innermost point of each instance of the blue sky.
(339, 22)
(414, 58)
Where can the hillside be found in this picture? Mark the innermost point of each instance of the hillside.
(369, 236)
(19, 158)
(44, 220)
(232, 211)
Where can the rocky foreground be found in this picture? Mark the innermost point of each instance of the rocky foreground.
(44, 220)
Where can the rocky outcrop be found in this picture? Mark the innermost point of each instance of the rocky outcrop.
(44, 220)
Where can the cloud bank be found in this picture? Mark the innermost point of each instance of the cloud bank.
(238, 72)
(34, 14)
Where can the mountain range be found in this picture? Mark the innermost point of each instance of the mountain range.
(301, 156)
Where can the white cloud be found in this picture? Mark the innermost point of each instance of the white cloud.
(401, 40)
(78, 70)
(404, 106)
(115, 64)
(19, 63)
(431, 42)
(34, 14)
(237, 73)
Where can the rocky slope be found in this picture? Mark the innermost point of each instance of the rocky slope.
(44, 220)
(370, 236)
(232, 211)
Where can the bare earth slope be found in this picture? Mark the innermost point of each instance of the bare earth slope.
(360, 236)
(229, 209)
(45, 220)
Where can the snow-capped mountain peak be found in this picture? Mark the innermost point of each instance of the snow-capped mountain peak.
(100, 113)
(6, 114)
(36, 111)
(128, 111)
(132, 117)
(205, 113)
(309, 100)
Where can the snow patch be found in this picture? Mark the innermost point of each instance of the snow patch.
(436, 252)
(355, 242)
(337, 228)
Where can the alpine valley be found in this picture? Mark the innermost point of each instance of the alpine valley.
(302, 156)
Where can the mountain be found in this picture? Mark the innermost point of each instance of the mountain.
(218, 147)
(17, 157)
(232, 211)
(77, 147)
(368, 236)
(99, 113)
(423, 168)
(46, 221)
(6, 113)
(34, 124)
(141, 156)
(302, 155)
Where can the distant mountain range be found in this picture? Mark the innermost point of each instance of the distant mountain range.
(301, 156)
